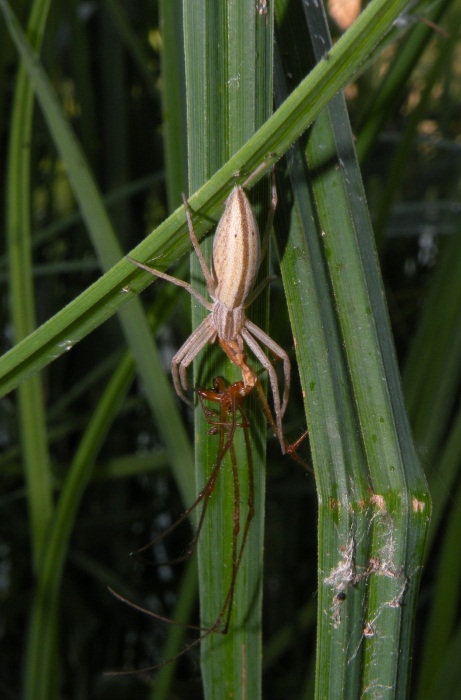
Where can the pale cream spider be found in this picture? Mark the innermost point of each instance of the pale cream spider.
(237, 255)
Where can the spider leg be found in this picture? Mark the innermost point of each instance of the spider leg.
(237, 552)
(203, 334)
(210, 283)
(268, 366)
(174, 280)
(279, 352)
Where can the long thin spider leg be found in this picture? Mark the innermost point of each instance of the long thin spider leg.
(174, 280)
(210, 283)
(290, 448)
(253, 345)
(279, 352)
(207, 490)
(203, 334)
(204, 497)
(211, 415)
(222, 451)
(230, 401)
(217, 625)
(184, 650)
(292, 451)
(235, 533)
(226, 610)
(156, 616)
(149, 669)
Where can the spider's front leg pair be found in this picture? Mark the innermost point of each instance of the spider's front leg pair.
(236, 258)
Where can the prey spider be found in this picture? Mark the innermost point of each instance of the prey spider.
(236, 258)
(229, 414)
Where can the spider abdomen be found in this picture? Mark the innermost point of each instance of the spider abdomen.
(236, 251)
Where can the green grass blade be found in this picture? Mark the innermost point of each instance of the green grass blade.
(229, 95)
(373, 500)
(31, 413)
(443, 479)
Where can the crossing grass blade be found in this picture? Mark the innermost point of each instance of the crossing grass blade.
(107, 295)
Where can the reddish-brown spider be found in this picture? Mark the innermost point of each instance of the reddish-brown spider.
(224, 420)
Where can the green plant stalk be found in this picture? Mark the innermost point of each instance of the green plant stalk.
(337, 451)
(31, 413)
(103, 298)
(229, 90)
(374, 506)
